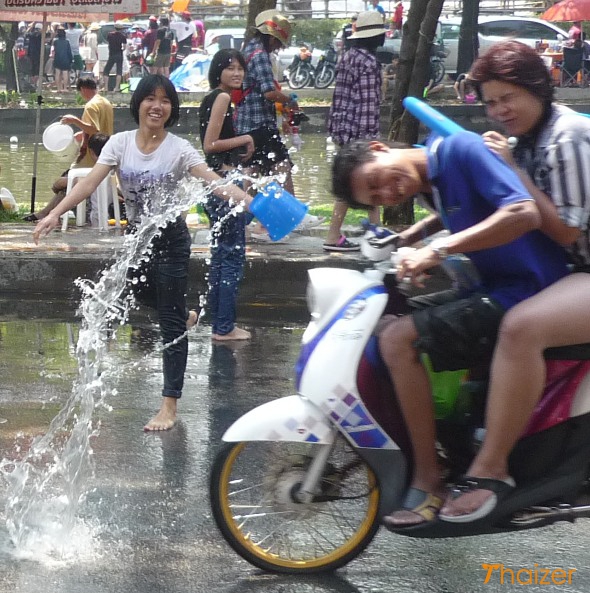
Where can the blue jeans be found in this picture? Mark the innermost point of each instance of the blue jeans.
(164, 289)
(228, 256)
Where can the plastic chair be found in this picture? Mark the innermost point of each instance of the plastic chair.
(573, 62)
(103, 195)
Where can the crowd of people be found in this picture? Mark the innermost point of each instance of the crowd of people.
(72, 49)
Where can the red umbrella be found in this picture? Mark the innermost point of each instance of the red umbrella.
(568, 10)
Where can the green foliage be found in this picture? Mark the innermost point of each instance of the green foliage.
(318, 32)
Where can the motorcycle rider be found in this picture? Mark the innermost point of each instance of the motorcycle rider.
(551, 158)
(493, 219)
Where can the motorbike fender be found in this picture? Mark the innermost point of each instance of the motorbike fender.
(290, 418)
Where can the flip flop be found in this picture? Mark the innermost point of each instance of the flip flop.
(500, 490)
(419, 502)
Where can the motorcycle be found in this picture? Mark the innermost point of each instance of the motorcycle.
(325, 70)
(437, 67)
(302, 482)
(300, 72)
(137, 65)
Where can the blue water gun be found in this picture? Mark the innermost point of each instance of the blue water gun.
(431, 118)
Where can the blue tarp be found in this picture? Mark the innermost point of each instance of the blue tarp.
(191, 75)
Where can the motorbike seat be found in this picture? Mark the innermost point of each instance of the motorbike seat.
(573, 352)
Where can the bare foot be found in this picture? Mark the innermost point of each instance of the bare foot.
(165, 419)
(193, 317)
(237, 333)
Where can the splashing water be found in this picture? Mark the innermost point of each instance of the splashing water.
(47, 486)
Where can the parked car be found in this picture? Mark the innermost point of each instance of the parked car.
(216, 39)
(498, 28)
(491, 30)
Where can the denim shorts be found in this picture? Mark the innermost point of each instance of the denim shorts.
(459, 334)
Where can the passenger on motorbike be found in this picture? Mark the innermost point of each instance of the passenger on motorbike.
(493, 220)
(551, 157)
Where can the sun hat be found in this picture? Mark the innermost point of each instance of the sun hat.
(271, 22)
(94, 26)
(368, 24)
(120, 25)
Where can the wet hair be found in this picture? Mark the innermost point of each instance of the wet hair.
(96, 142)
(147, 86)
(369, 43)
(349, 158)
(164, 21)
(221, 60)
(515, 63)
(86, 83)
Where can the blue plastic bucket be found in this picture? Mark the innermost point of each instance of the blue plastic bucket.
(277, 210)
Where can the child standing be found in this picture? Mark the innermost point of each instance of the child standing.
(224, 151)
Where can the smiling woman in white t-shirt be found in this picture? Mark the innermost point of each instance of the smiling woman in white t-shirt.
(150, 162)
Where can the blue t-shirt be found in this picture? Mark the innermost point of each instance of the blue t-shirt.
(473, 183)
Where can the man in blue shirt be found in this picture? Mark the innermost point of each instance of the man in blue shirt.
(493, 220)
(376, 6)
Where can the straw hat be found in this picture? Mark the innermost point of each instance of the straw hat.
(271, 22)
(368, 24)
(120, 25)
(94, 27)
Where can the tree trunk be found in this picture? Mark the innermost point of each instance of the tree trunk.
(468, 40)
(411, 79)
(256, 7)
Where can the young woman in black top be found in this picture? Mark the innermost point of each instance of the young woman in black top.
(224, 152)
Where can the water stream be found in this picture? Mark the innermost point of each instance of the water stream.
(49, 482)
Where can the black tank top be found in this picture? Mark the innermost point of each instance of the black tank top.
(218, 159)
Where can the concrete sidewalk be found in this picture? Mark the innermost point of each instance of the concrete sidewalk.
(274, 271)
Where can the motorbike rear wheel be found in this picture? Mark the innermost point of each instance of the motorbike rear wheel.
(253, 487)
(325, 77)
(299, 78)
(438, 71)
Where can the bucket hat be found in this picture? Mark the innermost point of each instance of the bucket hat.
(368, 24)
(271, 22)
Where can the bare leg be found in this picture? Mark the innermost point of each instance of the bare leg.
(338, 214)
(412, 387)
(165, 419)
(557, 316)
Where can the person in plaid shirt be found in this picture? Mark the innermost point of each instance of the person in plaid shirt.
(256, 112)
(355, 109)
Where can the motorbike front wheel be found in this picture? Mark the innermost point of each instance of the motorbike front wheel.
(253, 492)
(299, 78)
(325, 77)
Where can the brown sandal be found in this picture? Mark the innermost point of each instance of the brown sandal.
(423, 504)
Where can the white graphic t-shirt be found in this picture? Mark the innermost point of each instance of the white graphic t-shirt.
(149, 181)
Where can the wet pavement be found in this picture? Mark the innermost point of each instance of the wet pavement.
(144, 523)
